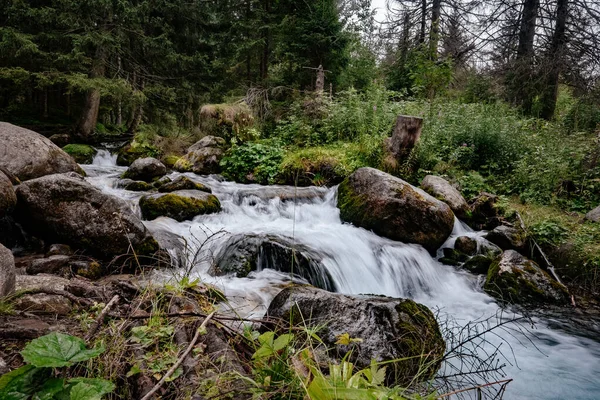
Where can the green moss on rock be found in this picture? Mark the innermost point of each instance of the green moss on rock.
(82, 153)
(181, 205)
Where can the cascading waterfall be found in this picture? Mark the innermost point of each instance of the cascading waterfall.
(554, 365)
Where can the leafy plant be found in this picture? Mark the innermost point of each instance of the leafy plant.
(253, 162)
(40, 379)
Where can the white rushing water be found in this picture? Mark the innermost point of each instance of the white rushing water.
(555, 366)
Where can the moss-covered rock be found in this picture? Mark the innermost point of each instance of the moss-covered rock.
(82, 153)
(393, 208)
(513, 278)
(453, 257)
(484, 212)
(390, 329)
(202, 161)
(134, 186)
(478, 264)
(508, 238)
(170, 160)
(466, 245)
(8, 198)
(180, 205)
(131, 152)
(182, 183)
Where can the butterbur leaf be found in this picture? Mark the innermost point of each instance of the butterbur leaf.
(83, 391)
(22, 382)
(58, 350)
(102, 386)
(50, 388)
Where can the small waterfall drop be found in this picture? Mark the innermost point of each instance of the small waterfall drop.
(550, 365)
(104, 158)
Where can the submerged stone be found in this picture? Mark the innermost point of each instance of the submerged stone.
(243, 254)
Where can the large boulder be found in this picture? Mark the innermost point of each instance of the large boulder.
(180, 205)
(66, 209)
(442, 190)
(513, 278)
(393, 208)
(593, 215)
(242, 254)
(29, 155)
(8, 198)
(145, 169)
(203, 157)
(387, 329)
(7, 272)
(208, 141)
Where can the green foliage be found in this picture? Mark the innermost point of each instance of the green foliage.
(36, 380)
(286, 366)
(58, 350)
(253, 162)
(548, 231)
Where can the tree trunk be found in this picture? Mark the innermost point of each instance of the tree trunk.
(555, 60)
(91, 107)
(434, 33)
(523, 85)
(138, 112)
(266, 34)
(405, 134)
(423, 21)
(320, 83)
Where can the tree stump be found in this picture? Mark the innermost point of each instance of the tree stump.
(405, 134)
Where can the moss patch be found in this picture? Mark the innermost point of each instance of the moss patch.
(178, 207)
(82, 153)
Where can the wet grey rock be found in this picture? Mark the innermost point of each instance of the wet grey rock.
(182, 183)
(389, 329)
(29, 155)
(513, 278)
(508, 238)
(442, 190)
(393, 208)
(7, 272)
(63, 209)
(243, 254)
(8, 198)
(134, 186)
(50, 265)
(145, 169)
(208, 141)
(466, 245)
(478, 264)
(60, 139)
(203, 157)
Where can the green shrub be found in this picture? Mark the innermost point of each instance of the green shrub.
(253, 162)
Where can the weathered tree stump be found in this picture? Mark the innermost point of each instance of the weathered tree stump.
(405, 134)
